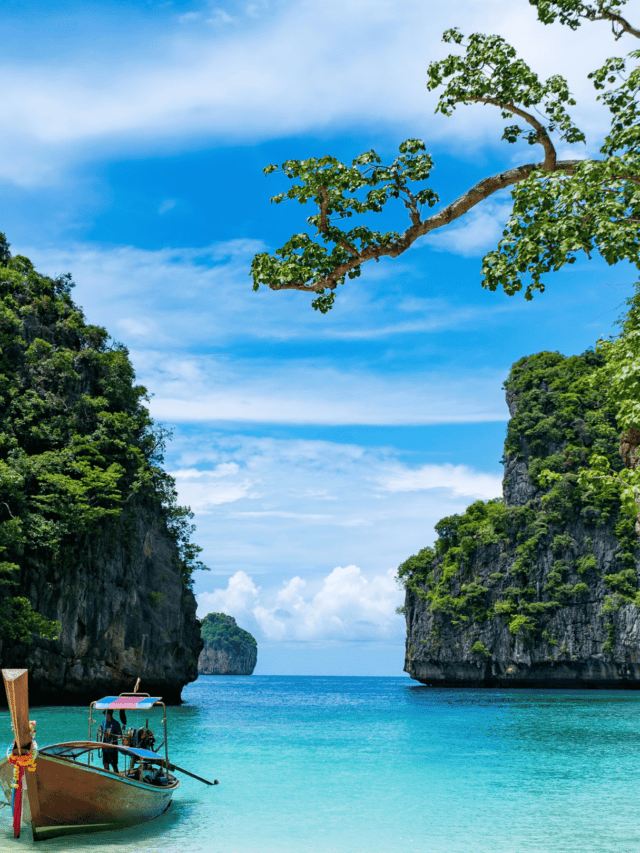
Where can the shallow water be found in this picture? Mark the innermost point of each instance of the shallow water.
(373, 765)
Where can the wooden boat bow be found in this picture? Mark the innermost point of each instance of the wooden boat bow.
(16, 683)
(24, 751)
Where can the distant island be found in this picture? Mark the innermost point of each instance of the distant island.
(228, 650)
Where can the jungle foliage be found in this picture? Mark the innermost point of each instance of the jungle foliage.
(77, 444)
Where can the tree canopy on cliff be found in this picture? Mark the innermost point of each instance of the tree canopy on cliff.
(560, 207)
(77, 444)
(221, 632)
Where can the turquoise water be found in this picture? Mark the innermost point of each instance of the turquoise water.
(382, 765)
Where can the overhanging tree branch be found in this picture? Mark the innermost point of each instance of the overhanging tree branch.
(482, 190)
(625, 26)
(570, 12)
(560, 207)
(550, 155)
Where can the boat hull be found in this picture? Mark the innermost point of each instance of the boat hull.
(63, 797)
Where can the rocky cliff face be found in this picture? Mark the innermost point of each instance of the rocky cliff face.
(228, 650)
(540, 588)
(95, 557)
(124, 614)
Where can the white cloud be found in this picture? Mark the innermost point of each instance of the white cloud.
(209, 492)
(219, 16)
(278, 513)
(267, 515)
(479, 230)
(214, 307)
(222, 470)
(240, 595)
(344, 605)
(459, 479)
(189, 17)
(167, 205)
(201, 389)
(260, 79)
(137, 329)
(214, 303)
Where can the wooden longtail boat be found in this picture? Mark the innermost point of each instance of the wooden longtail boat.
(62, 789)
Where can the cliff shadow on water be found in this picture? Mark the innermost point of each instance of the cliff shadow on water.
(96, 560)
(539, 588)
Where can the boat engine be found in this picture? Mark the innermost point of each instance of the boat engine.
(146, 738)
(128, 737)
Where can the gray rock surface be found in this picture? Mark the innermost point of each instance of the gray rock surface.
(125, 614)
(438, 652)
(222, 662)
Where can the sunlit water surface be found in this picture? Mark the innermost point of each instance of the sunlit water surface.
(382, 765)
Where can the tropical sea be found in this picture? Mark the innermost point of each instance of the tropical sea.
(382, 765)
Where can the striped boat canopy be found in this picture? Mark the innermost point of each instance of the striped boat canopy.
(128, 702)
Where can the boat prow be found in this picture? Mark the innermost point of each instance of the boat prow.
(22, 753)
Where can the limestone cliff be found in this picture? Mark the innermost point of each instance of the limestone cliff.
(228, 649)
(539, 588)
(95, 555)
(124, 613)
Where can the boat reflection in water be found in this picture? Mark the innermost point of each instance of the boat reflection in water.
(62, 789)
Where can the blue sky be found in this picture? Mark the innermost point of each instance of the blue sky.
(316, 451)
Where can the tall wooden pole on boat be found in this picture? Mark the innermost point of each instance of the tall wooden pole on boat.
(24, 752)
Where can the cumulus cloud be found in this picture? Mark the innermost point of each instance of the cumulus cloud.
(344, 605)
(240, 595)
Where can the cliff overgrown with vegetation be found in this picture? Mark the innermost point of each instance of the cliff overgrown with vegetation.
(228, 649)
(221, 631)
(542, 584)
(562, 419)
(77, 444)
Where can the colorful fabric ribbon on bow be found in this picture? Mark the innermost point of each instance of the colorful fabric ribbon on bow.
(20, 764)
